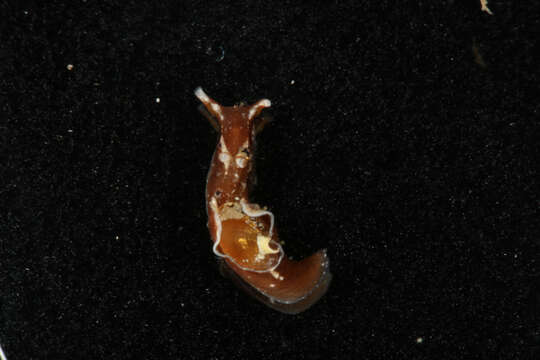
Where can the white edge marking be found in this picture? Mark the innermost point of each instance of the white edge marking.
(257, 213)
(216, 107)
(201, 95)
(223, 146)
(224, 156)
(217, 219)
(213, 205)
(264, 103)
(205, 99)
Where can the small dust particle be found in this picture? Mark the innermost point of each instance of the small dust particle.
(484, 4)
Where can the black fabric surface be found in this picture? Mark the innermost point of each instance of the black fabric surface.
(404, 140)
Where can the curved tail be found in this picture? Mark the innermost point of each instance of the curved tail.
(291, 288)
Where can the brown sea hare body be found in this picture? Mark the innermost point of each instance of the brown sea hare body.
(243, 233)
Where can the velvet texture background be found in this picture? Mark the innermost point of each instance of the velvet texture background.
(404, 140)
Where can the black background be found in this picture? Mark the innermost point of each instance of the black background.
(393, 146)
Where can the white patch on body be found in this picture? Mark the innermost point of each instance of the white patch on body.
(264, 248)
(224, 155)
(241, 162)
(225, 158)
(276, 275)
